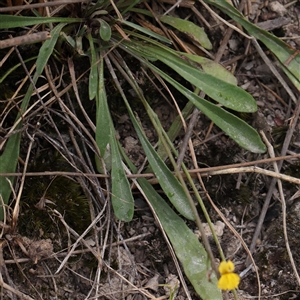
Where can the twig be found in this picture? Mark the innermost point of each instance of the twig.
(273, 69)
(255, 169)
(203, 171)
(224, 21)
(172, 7)
(79, 238)
(25, 39)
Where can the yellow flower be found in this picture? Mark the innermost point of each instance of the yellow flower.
(228, 280)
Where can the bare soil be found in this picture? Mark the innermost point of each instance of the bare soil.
(43, 256)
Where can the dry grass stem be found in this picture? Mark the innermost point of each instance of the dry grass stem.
(39, 5)
(274, 70)
(25, 39)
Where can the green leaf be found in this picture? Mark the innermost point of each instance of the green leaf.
(227, 94)
(93, 77)
(122, 199)
(192, 30)
(186, 245)
(11, 21)
(8, 164)
(129, 6)
(169, 183)
(14, 68)
(281, 50)
(69, 40)
(245, 135)
(237, 129)
(9, 158)
(103, 131)
(146, 31)
(105, 30)
(212, 68)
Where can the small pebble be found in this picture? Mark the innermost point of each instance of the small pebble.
(278, 8)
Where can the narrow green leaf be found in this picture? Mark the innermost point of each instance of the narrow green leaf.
(237, 129)
(9, 158)
(227, 94)
(122, 199)
(44, 54)
(128, 7)
(14, 68)
(93, 77)
(69, 40)
(102, 134)
(8, 164)
(192, 30)
(212, 68)
(245, 135)
(169, 183)
(11, 21)
(240, 131)
(282, 50)
(186, 245)
(146, 31)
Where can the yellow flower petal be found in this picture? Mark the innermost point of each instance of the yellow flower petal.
(228, 281)
(226, 267)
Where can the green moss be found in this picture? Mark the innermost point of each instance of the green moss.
(61, 193)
